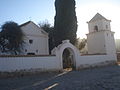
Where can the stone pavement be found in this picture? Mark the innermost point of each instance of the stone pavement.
(104, 78)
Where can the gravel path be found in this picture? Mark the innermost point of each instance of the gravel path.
(105, 78)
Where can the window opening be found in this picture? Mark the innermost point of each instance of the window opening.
(30, 41)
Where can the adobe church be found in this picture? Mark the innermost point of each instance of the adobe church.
(100, 39)
(36, 39)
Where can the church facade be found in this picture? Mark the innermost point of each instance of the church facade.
(100, 39)
(36, 39)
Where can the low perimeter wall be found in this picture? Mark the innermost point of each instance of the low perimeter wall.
(50, 63)
(40, 63)
(95, 60)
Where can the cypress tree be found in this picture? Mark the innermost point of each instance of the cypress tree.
(65, 24)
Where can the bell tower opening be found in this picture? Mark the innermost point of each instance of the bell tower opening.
(96, 28)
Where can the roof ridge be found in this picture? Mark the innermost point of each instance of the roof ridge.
(43, 31)
(25, 23)
(99, 17)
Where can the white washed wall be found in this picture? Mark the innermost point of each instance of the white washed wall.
(26, 63)
(101, 25)
(45, 63)
(96, 42)
(92, 24)
(94, 60)
(110, 42)
(39, 45)
(40, 40)
(50, 63)
(85, 61)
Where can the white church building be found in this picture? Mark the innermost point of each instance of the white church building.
(35, 38)
(100, 39)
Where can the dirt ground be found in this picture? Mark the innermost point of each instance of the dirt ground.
(104, 78)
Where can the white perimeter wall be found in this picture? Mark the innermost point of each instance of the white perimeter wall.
(51, 63)
(43, 63)
(92, 60)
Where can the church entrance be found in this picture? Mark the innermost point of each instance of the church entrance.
(68, 59)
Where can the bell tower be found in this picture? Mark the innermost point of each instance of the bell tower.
(100, 39)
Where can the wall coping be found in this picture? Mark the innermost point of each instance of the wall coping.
(26, 55)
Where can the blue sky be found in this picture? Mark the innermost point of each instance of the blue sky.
(22, 11)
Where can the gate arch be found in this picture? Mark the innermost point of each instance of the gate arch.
(68, 58)
(59, 50)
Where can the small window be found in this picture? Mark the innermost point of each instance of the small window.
(25, 50)
(96, 28)
(106, 26)
(37, 51)
(30, 41)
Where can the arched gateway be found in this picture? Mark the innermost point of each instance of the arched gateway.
(67, 54)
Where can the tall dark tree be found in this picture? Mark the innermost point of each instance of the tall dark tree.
(11, 38)
(50, 30)
(65, 21)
